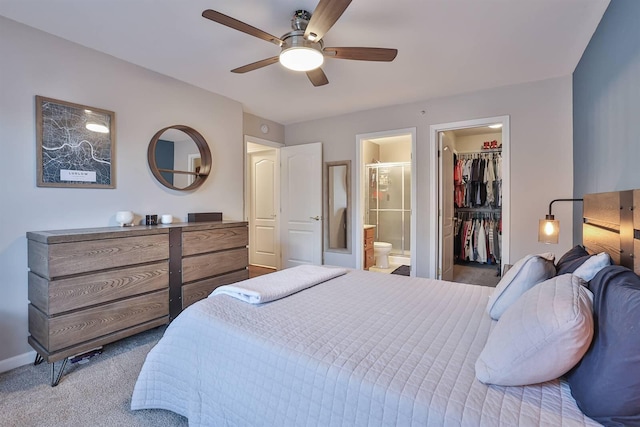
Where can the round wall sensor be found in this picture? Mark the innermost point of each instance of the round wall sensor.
(264, 128)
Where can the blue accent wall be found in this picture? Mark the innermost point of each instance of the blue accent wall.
(606, 107)
(164, 158)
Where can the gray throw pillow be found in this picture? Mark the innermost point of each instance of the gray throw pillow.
(541, 336)
(606, 382)
(525, 274)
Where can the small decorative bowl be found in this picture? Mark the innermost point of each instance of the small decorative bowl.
(124, 218)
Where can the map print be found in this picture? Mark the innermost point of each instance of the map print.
(72, 153)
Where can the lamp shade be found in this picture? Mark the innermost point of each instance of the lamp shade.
(301, 58)
(548, 230)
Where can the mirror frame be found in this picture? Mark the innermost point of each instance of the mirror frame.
(349, 238)
(205, 158)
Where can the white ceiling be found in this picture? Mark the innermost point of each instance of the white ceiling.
(445, 47)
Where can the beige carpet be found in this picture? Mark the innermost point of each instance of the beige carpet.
(97, 393)
(477, 274)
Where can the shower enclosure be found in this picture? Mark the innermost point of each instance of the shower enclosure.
(388, 204)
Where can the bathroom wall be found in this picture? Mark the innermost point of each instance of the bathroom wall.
(370, 152)
(397, 151)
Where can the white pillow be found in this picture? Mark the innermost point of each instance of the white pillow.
(591, 266)
(541, 336)
(525, 274)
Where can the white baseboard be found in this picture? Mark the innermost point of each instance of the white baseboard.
(17, 361)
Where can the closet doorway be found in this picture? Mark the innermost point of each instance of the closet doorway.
(470, 207)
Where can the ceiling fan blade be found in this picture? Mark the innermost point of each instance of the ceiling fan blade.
(322, 19)
(240, 26)
(317, 77)
(256, 65)
(361, 53)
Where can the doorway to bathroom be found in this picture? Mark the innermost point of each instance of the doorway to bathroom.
(385, 199)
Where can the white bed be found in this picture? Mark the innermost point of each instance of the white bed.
(363, 349)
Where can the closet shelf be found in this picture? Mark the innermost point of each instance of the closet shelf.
(488, 150)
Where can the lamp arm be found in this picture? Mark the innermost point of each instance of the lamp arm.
(561, 200)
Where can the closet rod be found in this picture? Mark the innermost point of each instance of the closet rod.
(492, 210)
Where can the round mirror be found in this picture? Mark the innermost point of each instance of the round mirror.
(179, 157)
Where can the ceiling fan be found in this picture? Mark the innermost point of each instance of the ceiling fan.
(302, 48)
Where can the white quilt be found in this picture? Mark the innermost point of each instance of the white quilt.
(363, 349)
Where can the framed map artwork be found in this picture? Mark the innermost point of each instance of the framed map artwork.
(75, 145)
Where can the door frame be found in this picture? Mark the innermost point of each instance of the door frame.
(435, 177)
(247, 186)
(441, 218)
(358, 224)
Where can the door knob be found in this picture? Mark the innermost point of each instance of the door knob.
(317, 217)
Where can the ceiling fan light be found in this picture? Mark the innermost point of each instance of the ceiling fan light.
(300, 58)
(97, 127)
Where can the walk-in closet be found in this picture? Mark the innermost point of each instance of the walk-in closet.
(477, 221)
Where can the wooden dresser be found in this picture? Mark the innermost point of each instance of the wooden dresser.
(90, 287)
(369, 257)
(212, 257)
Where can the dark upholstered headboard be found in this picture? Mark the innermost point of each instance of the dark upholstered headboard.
(611, 223)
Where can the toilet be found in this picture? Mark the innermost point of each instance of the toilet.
(381, 252)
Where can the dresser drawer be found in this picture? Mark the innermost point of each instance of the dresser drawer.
(199, 290)
(213, 264)
(57, 332)
(63, 259)
(57, 296)
(198, 242)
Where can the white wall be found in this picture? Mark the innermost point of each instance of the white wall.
(541, 154)
(253, 127)
(34, 63)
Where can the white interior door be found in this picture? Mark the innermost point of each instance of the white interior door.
(446, 208)
(301, 204)
(263, 231)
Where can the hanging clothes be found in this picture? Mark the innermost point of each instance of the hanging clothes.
(481, 244)
(477, 180)
(477, 199)
(477, 237)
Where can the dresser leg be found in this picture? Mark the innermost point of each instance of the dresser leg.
(39, 359)
(55, 379)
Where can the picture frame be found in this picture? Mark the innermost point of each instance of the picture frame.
(75, 145)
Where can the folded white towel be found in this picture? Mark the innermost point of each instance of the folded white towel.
(279, 284)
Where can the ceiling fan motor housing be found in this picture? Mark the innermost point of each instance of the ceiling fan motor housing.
(300, 20)
(296, 39)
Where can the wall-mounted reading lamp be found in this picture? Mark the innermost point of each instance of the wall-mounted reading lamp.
(549, 227)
